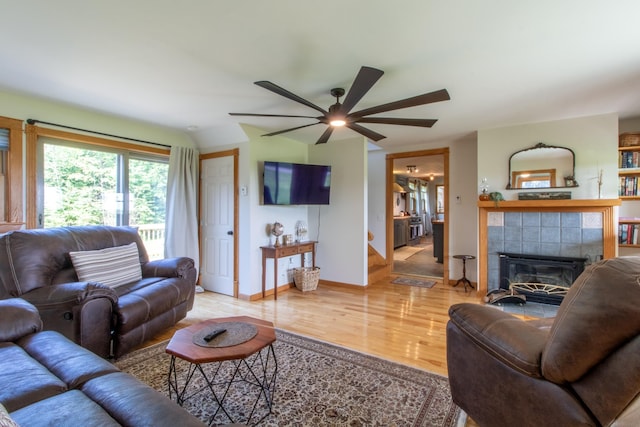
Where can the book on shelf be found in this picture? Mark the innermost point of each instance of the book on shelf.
(628, 186)
(628, 234)
(629, 160)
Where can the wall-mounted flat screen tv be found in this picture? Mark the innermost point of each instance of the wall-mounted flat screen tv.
(296, 184)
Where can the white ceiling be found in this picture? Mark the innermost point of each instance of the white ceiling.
(184, 64)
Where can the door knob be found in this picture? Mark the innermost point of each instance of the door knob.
(230, 232)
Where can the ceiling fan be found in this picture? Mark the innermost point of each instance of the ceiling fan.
(339, 114)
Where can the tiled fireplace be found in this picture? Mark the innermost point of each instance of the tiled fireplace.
(540, 278)
(548, 228)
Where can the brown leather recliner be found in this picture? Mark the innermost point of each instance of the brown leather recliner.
(35, 265)
(581, 368)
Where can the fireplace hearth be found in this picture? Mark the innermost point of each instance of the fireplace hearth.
(540, 278)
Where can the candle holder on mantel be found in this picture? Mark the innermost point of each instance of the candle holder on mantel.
(484, 195)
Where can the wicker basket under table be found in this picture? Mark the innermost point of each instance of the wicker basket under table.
(306, 278)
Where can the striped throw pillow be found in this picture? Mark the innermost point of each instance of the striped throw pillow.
(110, 266)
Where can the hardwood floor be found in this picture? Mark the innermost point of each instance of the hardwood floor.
(421, 263)
(405, 324)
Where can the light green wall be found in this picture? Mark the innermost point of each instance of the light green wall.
(276, 148)
(24, 107)
(593, 139)
(342, 225)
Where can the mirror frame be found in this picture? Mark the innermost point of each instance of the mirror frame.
(538, 146)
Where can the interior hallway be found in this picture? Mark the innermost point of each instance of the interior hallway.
(417, 260)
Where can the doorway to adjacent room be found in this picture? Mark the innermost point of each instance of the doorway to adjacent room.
(417, 202)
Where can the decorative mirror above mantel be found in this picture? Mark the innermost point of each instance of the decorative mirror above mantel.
(542, 166)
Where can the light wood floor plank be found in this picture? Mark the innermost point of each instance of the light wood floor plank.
(405, 324)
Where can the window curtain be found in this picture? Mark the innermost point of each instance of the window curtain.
(181, 237)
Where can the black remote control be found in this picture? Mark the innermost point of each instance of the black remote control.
(214, 334)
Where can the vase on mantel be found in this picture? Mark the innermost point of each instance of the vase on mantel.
(484, 196)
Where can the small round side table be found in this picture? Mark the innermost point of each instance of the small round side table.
(464, 279)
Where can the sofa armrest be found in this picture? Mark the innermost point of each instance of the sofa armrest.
(17, 319)
(69, 293)
(182, 267)
(81, 311)
(515, 342)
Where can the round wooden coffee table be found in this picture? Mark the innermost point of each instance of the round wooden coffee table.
(252, 362)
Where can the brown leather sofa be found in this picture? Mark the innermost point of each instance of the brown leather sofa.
(580, 369)
(110, 321)
(47, 380)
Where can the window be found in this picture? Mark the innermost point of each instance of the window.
(10, 173)
(85, 183)
(440, 199)
(4, 161)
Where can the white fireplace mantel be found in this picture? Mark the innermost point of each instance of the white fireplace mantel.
(603, 206)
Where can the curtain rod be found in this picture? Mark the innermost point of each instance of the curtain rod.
(34, 121)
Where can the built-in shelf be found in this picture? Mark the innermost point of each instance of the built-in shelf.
(629, 188)
(629, 232)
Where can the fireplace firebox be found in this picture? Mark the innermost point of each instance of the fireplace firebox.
(540, 278)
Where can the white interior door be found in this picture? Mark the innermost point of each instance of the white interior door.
(217, 222)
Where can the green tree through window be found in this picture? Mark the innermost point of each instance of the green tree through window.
(85, 186)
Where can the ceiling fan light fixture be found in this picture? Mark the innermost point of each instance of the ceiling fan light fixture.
(340, 114)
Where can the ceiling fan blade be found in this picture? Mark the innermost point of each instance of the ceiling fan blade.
(427, 98)
(273, 115)
(364, 81)
(325, 136)
(425, 123)
(366, 132)
(292, 96)
(289, 130)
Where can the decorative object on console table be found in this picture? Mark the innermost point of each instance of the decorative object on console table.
(287, 239)
(301, 231)
(277, 229)
(277, 252)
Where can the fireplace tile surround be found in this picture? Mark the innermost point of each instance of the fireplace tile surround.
(563, 234)
(574, 228)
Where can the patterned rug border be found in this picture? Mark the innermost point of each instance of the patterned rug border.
(420, 377)
(319, 346)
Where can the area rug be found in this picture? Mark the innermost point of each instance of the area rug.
(413, 282)
(320, 384)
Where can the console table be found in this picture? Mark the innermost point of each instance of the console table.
(283, 251)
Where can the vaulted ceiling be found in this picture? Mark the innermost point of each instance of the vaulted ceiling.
(186, 65)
